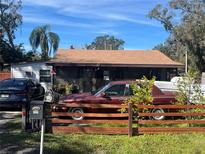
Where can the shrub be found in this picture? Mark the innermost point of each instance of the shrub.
(63, 89)
(142, 93)
(189, 89)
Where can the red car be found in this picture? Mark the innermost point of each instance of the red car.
(113, 93)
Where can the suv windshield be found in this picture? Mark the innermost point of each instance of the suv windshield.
(12, 84)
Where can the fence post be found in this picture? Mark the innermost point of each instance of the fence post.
(24, 118)
(130, 118)
(48, 122)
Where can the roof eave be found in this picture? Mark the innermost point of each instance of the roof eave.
(117, 65)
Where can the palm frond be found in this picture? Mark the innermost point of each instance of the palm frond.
(48, 41)
(34, 39)
(54, 42)
(44, 43)
(46, 28)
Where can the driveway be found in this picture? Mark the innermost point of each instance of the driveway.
(7, 126)
(7, 117)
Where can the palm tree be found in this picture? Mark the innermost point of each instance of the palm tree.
(47, 40)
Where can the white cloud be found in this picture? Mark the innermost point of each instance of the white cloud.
(91, 16)
(34, 17)
(120, 10)
(106, 31)
(59, 22)
(129, 19)
(49, 3)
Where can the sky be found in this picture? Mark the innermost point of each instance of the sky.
(78, 22)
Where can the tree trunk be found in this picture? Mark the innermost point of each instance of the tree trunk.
(44, 55)
(1, 67)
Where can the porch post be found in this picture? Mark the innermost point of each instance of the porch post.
(130, 118)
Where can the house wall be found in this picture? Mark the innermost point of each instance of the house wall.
(91, 78)
(20, 71)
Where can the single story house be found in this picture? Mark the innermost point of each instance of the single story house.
(90, 69)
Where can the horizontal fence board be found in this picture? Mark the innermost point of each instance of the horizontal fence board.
(93, 105)
(103, 115)
(184, 132)
(141, 129)
(171, 106)
(172, 114)
(89, 130)
(5, 75)
(67, 121)
(171, 129)
(170, 121)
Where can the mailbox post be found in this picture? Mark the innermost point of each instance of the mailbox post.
(36, 112)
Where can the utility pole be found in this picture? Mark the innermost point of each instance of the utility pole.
(105, 44)
(186, 62)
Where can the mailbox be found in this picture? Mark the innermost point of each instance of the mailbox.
(36, 110)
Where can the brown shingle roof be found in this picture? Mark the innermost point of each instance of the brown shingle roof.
(137, 58)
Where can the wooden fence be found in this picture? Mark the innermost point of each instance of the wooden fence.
(5, 75)
(193, 121)
(59, 125)
(186, 116)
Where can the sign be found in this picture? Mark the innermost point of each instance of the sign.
(36, 109)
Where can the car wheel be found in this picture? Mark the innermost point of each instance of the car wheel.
(158, 117)
(77, 110)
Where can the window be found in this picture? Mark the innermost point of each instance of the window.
(45, 76)
(106, 75)
(116, 90)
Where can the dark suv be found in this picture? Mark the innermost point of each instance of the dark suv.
(15, 92)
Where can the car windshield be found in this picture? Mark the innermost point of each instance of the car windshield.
(12, 84)
(102, 89)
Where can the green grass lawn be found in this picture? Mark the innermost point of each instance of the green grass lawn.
(191, 143)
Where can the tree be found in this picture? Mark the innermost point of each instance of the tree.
(1, 63)
(172, 49)
(10, 20)
(106, 42)
(47, 40)
(185, 21)
(32, 56)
